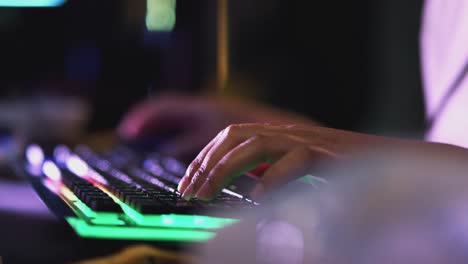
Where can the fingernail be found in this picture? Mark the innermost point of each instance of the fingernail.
(188, 193)
(257, 192)
(182, 182)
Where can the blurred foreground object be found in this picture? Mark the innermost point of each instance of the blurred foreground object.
(192, 121)
(393, 207)
(141, 254)
(45, 117)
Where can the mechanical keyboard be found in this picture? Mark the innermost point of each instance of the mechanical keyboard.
(124, 195)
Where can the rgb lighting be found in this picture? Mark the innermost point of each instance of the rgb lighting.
(77, 166)
(162, 227)
(129, 224)
(31, 3)
(52, 171)
(34, 155)
(61, 154)
(137, 233)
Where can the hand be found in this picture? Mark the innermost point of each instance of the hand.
(291, 150)
(197, 119)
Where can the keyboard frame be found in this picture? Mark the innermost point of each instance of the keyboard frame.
(160, 228)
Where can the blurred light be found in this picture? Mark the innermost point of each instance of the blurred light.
(279, 242)
(34, 155)
(34, 170)
(77, 166)
(51, 171)
(226, 191)
(153, 167)
(167, 220)
(81, 169)
(61, 154)
(96, 177)
(52, 186)
(103, 165)
(31, 3)
(160, 15)
(174, 166)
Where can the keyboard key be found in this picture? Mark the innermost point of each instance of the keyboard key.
(146, 184)
(104, 205)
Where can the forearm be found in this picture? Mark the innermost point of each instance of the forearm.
(359, 142)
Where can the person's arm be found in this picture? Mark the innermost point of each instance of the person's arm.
(291, 150)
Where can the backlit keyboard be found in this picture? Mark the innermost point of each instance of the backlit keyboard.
(123, 195)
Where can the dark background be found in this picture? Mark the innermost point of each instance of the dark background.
(348, 64)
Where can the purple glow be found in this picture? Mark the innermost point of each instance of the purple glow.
(156, 169)
(20, 198)
(51, 171)
(174, 166)
(34, 170)
(34, 155)
(61, 154)
(81, 169)
(121, 176)
(153, 167)
(279, 242)
(103, 164)
(148, 178)
(97, 177)
(52, 186)
(77, 166)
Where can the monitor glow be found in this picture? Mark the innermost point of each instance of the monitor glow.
(161, 15)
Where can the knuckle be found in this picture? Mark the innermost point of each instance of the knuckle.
(196, 178)
(231, 130)
(219, 135)
(195, 164)
(202, 169)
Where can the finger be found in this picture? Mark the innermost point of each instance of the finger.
(194, 165)
(229, 138)
(294, 164)
(244, 157)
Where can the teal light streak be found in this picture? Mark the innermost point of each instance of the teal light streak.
(137, 233)
(164, 227)
(31, 3)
